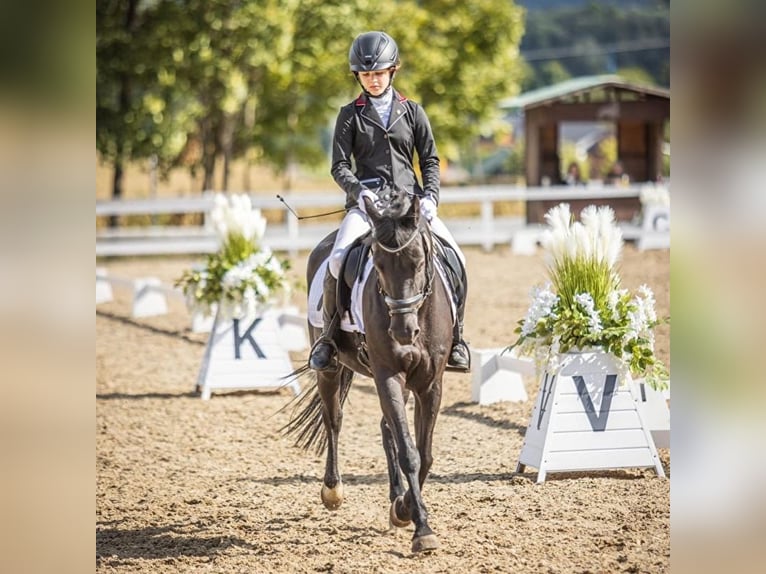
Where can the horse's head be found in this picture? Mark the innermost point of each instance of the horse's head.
(400, 254)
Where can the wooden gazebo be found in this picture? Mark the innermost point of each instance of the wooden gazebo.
(638, 112)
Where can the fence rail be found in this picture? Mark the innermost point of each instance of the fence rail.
(486, 230)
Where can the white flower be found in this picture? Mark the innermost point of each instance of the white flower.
(582, 243)
(556, 239)
(543, 301)
(652, 194)
(594, 321)
(581, 258)
(236, 276)
(604, 236)
(218, 216)
(646, 300)
(235, 214)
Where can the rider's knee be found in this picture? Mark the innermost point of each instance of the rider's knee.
(336, 261)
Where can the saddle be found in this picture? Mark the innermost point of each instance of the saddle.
(352, 270)
(455, 271)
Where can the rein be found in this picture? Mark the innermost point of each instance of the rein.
(410, 304)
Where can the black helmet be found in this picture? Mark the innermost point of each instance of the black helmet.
(373, 51)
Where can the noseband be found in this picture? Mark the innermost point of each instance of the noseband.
(410, 304)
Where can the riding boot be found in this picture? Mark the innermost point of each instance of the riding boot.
(460, 355)
(324, 350)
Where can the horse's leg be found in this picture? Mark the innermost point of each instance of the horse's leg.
(395, 484)
(392, 404)
(426, 411)
(400, 518)
(329, 384)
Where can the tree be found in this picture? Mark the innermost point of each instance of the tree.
(142, 110)
(116, 22)
(459, 59)
(301, 80)
(263, 78)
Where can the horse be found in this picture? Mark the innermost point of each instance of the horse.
(408, 323)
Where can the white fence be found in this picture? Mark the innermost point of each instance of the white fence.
(486, 230)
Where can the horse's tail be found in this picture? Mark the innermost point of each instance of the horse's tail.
(306, 423)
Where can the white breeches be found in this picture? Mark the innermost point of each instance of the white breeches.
(355, 224)
(438, 227)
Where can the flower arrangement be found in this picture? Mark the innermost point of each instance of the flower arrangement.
(583, 306)
(653, 194)
(242, 274)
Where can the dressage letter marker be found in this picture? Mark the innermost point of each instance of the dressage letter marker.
(584, 420)
(244, 354)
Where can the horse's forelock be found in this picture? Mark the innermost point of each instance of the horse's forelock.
(386, 231)
(394, 230)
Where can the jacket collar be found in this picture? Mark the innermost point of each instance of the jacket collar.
(363, 100)
(398, 110)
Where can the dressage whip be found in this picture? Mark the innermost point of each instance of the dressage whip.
(299, 217)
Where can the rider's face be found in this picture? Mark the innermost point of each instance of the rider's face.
(375, 82)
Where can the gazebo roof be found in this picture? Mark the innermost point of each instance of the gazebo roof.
(585, 88)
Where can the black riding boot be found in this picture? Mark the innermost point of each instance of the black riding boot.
(324, 350)
(460, 356)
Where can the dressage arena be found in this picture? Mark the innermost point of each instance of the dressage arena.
(186, 485)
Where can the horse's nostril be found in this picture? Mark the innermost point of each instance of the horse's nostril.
(415, 334)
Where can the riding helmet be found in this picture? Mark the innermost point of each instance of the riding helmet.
(373, 51)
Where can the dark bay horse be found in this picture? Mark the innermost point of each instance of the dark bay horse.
(408, 323)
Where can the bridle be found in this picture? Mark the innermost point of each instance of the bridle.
(410, 304)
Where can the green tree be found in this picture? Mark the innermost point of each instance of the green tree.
(301, 81)
(636, 76)
(142, 109)
(263, 78)
(117, 22)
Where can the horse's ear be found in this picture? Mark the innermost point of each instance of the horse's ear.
(370, 209)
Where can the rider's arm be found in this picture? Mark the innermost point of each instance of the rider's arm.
(342, 145)
(426, 148)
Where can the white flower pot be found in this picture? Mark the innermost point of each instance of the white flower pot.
(584, 419)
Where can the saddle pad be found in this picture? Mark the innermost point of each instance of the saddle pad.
(316, 291)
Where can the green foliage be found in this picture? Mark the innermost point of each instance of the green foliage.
(575, 36)
(583, 306)
(236, 277)
(572, 276)
(514, 165)
(636, 75)
(264, 78)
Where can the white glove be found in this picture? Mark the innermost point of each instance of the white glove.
(428, 207)
(369, 195)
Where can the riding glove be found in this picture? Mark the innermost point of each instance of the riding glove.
(428, 207)
(368, 194)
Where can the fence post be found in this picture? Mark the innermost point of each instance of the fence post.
(487, 225)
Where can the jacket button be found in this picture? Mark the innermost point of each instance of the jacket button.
(385, 136)
(388, 152)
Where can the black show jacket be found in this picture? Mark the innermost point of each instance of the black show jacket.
(385, 153)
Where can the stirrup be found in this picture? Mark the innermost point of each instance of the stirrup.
(331, 360)
(457, 347)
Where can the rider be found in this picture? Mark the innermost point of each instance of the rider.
(380, 130)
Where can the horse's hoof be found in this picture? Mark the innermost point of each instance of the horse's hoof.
(425, 543)
(332, 498)
(393, 519)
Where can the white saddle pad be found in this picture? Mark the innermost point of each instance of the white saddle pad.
(355, 323)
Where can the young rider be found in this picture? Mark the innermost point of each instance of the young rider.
(377, 134)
